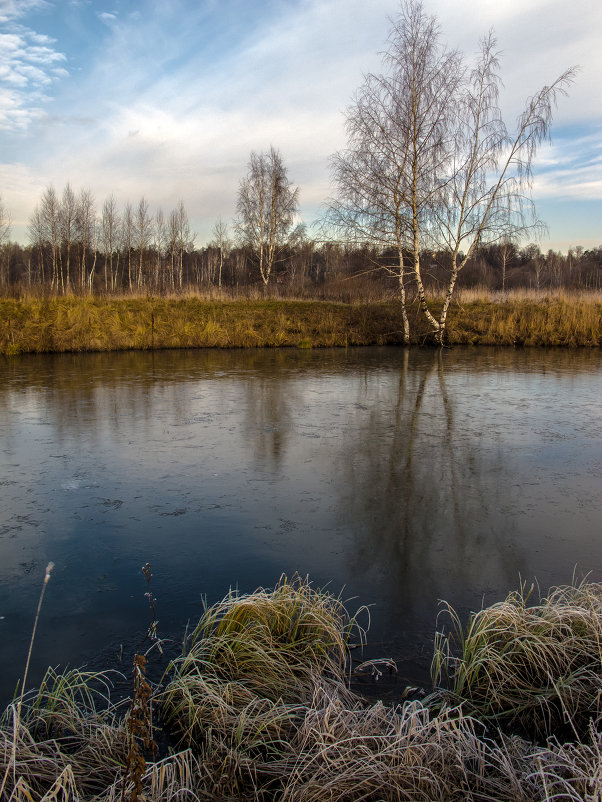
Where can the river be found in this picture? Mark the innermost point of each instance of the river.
(396, 478)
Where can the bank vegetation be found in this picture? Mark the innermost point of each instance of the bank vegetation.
(259, 707)
(54, 324)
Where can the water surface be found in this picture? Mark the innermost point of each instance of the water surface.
(398, 478)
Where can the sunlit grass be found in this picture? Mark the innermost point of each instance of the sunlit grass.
(477, 317)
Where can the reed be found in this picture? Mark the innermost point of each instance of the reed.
(58, 324)
(68, 737)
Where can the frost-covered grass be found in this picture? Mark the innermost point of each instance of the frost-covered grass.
(258, 707)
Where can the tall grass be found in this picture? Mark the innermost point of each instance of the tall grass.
(40, 325)
(260, 709)
(254, 662)
(535, 666)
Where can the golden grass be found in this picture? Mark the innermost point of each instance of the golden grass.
(261, 710)
(40, 325)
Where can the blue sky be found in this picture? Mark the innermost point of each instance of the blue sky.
(167, 98)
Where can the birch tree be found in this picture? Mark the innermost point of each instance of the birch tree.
(430, 164)
(5, 229)
(87, 232)
(127, 237)
(143, 234)
(222, 245)
(49, 219)
(110, 225)
(67, 224)
(267, 205)
(184, 237)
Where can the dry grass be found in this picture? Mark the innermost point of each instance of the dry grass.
(538, 667)
(40, 325)
(261, 710)
(254, 662)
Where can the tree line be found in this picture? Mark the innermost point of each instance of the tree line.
(432, 187)
(306, 266)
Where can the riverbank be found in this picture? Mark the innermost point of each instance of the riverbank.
(258, 707)
(72, 323)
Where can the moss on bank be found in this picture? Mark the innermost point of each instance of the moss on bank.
(54, 325)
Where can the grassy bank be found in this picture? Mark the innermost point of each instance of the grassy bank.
(46, 325)
(258, 707)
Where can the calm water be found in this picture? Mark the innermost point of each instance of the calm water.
(399, 478)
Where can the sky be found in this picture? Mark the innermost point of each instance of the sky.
(166, 99)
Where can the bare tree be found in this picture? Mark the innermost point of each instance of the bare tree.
(143, 228)
(221, 243)
(127, 237)
(5, 229)
(184, 237)
(67, 226)
(110, 241)
(87, 233)
(159, 246)
(36, 239)
(506, 253)
(430, 164)
(172, 246)
(50, 231)
(267, 206)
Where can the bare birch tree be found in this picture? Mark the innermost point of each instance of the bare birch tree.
(35, 231)
(50, 230)
(5, 229)
(159, 245)
(430, 164)
(67, 225)
(110, 241)
(222, 245)
(86, 228)
(127, 237)
(185, 239)
(143, 234)
(267, 206)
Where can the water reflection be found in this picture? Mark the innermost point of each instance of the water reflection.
(402, 476)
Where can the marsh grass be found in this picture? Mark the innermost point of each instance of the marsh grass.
(254, 662)
(67, 734)
(71, 323)
(260, 709)
(536, 666)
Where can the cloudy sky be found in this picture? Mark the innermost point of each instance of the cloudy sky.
(167, 98)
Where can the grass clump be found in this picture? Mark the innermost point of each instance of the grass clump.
(67, 739)
(538, 667)
(254, 662)
(260, 710)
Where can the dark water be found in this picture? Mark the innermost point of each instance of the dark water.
(399, 478)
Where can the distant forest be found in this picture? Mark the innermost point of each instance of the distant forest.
(74, 248)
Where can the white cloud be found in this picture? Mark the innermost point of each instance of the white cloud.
(29, 65)
(228, 79)
(570, 168)
(13, 9)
